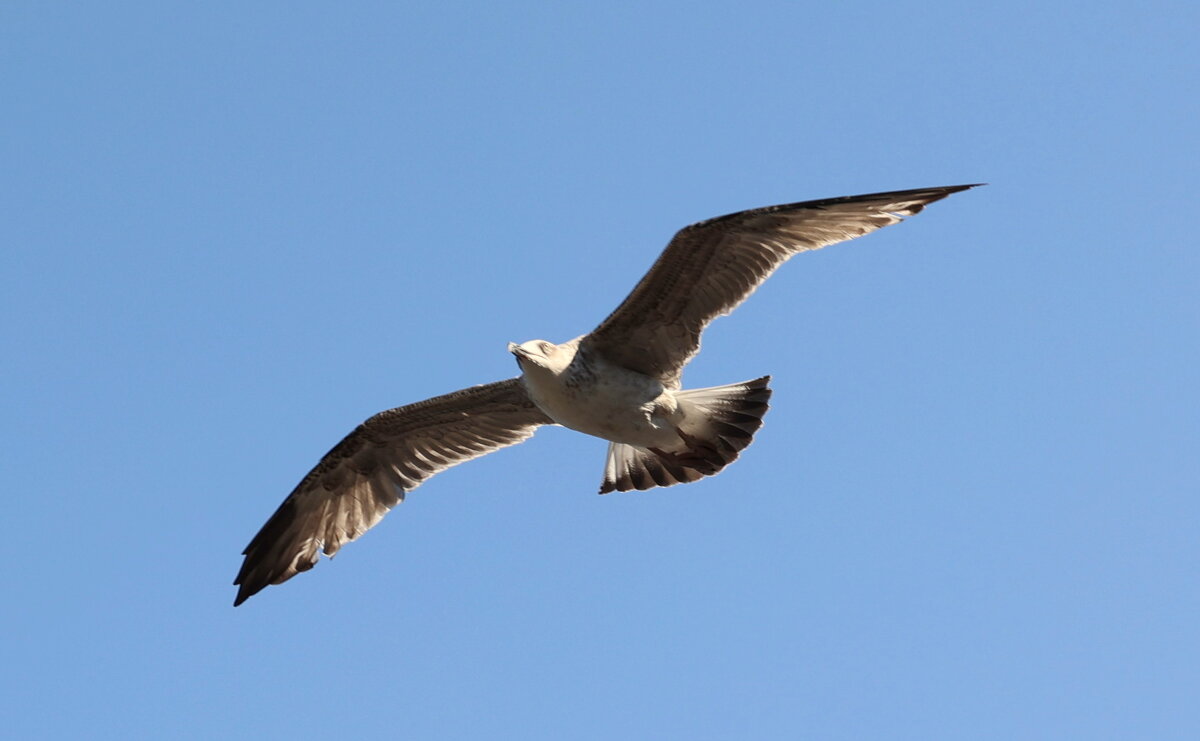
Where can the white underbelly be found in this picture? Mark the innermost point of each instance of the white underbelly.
(622, 407)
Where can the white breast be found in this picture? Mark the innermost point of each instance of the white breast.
(597, 398)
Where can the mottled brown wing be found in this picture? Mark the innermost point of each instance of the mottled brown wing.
(711, 267)
(368, 473)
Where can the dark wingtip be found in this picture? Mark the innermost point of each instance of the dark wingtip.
(932, 195)
(245, 593)
(943, 191)
(948, 189)
(951, 190)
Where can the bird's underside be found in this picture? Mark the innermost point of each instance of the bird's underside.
(621, 382)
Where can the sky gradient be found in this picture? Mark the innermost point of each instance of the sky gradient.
(232, 232)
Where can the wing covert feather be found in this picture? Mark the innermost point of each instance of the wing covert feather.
(712, 266)
(371, 469)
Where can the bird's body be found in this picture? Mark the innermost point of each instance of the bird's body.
(587, 393)
(622, 383)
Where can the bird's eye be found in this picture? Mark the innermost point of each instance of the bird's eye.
(546, 347)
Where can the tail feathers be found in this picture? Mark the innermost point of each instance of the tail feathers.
(631, 467)
(719, 423)
(728, 415)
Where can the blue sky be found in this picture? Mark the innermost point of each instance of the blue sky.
(231, 232)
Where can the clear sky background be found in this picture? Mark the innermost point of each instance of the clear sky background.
(233, 231)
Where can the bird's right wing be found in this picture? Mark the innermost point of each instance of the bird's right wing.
(368, 473)
(711, 267)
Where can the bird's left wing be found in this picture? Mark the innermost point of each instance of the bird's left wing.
(368, 473)
(711, 267)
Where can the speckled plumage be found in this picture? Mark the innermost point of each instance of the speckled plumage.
(621, 382)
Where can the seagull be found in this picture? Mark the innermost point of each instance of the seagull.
(621, 383)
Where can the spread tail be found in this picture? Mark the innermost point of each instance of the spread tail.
(719, 422)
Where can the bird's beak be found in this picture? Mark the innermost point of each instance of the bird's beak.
(518, 353)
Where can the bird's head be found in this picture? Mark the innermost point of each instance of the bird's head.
(536, 353)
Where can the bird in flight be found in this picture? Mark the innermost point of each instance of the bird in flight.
(621, 383)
